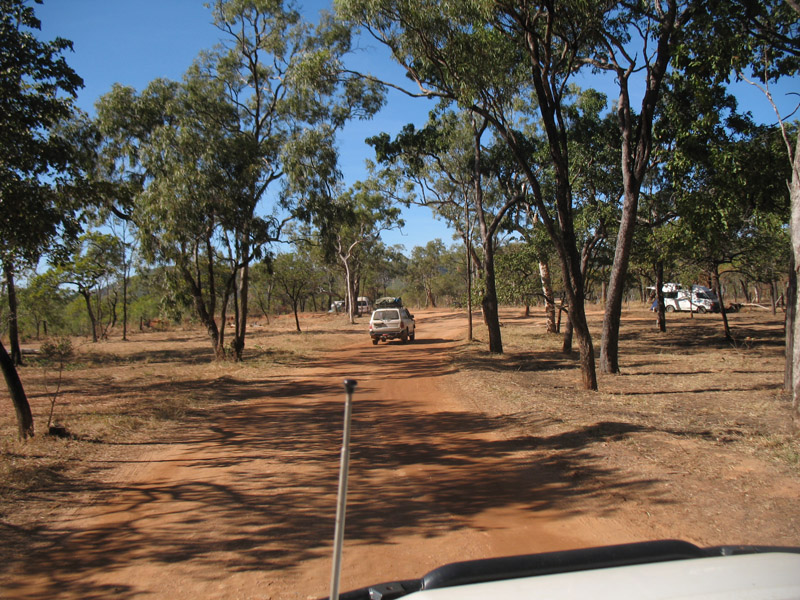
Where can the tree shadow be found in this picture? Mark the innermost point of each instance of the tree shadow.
(422, 473)
(413, 468)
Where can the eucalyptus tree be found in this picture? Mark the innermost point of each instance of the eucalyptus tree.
(732, 200)
(181, 159)
(517, 269)
(42, 302)
(295, 275)
(637, 43)
(494, 58)
(384, 266)
(538, 248)
(465, 181)
(424, 269)
(286, 84)
(122, 230)
(212, 164)
(36, 92)
(96, 256)
(357, 216)
(769, 259)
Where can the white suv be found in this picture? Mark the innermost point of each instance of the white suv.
(391, 323)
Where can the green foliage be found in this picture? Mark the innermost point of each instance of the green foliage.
(518, 274)
(433, 276)
(36, 92)
(41, 304)
(97, 257)
(732, 37)
(56, 350)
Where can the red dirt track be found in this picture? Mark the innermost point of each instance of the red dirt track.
(241, 503)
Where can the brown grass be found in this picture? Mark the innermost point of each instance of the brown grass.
(687, 394)
(118, 394)
(687, 381)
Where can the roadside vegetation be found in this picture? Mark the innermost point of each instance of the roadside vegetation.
(218, 200)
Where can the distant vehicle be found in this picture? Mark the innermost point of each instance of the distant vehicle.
(336, 306)
(391, 324)
(363, 305)
(699, 299)
(658, 570)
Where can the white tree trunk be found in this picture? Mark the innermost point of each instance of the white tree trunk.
(795, 222)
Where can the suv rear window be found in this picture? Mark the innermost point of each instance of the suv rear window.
(386, 315)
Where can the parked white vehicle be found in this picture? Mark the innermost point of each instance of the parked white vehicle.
(678, 299)
(363, 305)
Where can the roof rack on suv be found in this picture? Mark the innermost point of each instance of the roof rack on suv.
(389, 302)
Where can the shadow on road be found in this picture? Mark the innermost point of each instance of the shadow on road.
(256, 483)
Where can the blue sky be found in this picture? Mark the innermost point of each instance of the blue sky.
(134, 42)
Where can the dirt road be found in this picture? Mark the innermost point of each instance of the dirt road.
(240, 504)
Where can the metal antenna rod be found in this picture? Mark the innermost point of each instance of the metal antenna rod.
(341, 502)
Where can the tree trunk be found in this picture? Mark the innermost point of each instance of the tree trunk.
(566, 342)
(745, 291)
(203, 314)
(609, 342)
(429, 299)
(125, 276)
(17, 393)
(467, 247)
(114, 310)
(489, 302)
(13, 329)
(773, 292)
(572, 267)
(577, 318)
(791, 300)
(549, 300)
(718, 290)
(636, 134)
(87, 296)
(795, 233)
(352, 294)
(241, 310)
(661, 318)
(490, 305)
(296, 316)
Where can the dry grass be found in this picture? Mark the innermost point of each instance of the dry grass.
(688, 381)
(118, 394)
(684, 398)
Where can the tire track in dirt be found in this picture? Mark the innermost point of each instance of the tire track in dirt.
(241, 504)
